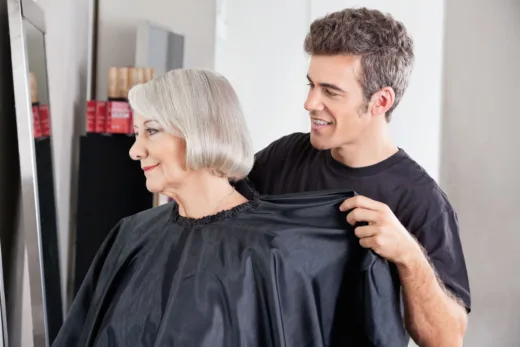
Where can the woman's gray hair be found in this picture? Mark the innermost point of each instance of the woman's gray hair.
(202, 107)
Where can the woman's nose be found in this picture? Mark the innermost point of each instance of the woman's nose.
(138, 150)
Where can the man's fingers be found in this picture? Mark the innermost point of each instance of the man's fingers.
(375, 242)
(360, 201)
(365, 231)
(366, 242)
(362, 215)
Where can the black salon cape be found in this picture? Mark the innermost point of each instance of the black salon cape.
(283, 271)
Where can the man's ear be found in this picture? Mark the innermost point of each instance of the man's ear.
(382, 101)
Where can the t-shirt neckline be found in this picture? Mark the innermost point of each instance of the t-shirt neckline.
(365, 171)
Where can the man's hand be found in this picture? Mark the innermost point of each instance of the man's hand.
(384, 234)
(432, 317)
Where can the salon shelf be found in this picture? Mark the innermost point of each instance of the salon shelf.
(111, 187)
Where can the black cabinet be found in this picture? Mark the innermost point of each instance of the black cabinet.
(111, 186)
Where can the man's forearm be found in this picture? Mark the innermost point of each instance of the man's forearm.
(432, 316)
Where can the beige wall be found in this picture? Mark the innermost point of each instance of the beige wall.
(118, 28)
(481, 161)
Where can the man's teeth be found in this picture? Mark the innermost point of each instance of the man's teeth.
(320, 122)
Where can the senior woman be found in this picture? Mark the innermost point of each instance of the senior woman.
(220, 267)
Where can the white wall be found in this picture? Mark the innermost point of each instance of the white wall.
(263, 58)
(118, 28)
(481, 164)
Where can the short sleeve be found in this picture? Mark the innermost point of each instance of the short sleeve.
(440, 238)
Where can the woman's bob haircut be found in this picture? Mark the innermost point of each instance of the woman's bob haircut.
(201, 107)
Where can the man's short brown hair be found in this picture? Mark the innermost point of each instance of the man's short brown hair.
(382, 43)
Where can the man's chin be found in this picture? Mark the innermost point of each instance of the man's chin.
(320, 143)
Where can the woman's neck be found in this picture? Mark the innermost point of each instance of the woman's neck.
(205, 194)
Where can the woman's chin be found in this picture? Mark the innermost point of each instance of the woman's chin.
(153, 187)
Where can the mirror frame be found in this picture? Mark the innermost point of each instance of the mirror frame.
(18, 11)
(4, 338)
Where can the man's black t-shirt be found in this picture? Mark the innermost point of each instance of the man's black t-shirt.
(292, 165)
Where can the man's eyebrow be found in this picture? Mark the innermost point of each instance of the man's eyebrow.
(327, 85)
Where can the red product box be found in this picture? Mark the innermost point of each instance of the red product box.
(91, 116)
(101, 117)
(45, 120)
(119, 117)
(37, 127)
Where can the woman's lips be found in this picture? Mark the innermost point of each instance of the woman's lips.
(148, 168)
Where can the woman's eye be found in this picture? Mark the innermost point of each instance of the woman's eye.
(151, 131)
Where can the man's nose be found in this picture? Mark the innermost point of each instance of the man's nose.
(313, 102)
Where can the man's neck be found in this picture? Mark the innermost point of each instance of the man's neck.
(369, 150)
(203, 195)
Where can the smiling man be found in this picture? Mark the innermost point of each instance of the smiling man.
(361, 62)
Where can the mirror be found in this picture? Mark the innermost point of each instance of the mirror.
(33, 118)
(44, 168)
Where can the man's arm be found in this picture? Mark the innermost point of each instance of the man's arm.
(432, 317)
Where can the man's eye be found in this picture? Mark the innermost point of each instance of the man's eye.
(329, 93)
